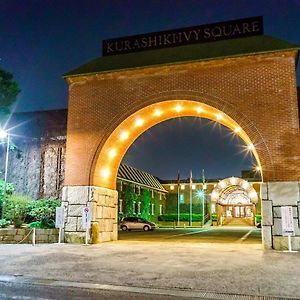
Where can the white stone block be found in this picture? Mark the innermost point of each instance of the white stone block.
(75, 210)
(264, 191)
(71, 224)
(267, 237)
(284, 193)
(267, 213)
(281, 243)
(78, 194)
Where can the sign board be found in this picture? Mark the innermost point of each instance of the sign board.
(287, 221)
(86, 218)
(60, 217)
(190, 35)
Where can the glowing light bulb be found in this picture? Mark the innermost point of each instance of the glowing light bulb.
(237, 129)
(157, 113)
(199, 110)
(215, 195)
(257, 168)
(139, 122)
(219, 117)
(172, 187)
(112, 153)
(178, 108)
(124, 135)
(222, 184)
(105, 173)
(250, 147)
(233, 180)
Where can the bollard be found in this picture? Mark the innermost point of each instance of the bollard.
(33, 237)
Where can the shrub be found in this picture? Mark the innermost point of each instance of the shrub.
(15, 209)
(4, 223)
(41, 213)
(258, 218)
(9, 191)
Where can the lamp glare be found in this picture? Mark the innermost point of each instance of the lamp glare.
(3, 134)
(157, 112)
(178, 108)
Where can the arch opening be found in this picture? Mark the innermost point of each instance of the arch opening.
(117, 144)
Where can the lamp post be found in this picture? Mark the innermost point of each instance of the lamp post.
(3, 135)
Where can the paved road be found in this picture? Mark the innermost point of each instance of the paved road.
(24, 291)
(247, 235)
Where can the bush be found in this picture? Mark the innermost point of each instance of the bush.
(183, 217)
(9, 191)
(15, 209)
(41, 213)
(258, 218)
(4, 223)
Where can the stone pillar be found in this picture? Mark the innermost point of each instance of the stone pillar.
(274, 196)
(104, 208)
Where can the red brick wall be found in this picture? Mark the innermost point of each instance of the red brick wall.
(259, 92)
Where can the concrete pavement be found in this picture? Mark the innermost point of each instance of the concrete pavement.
(230, 268)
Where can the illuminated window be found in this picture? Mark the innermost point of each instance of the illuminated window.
(193, 186)
(181, 197)
(182, 186)
(121, 206)
(152, 209)
(172, 187)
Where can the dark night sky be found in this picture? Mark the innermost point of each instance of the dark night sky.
(42, 39)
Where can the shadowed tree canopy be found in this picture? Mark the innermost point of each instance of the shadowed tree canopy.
(9, 91)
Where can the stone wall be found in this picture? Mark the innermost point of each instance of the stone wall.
(104, 209)
(17, 235)
(36, 167)
(274, 196)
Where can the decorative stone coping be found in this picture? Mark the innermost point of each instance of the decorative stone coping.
(15, 235)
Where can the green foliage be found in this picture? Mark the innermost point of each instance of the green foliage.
(9, 91)
(145, 201)
(9, 191)
(258, 218)
(214, 217)
(129, 198)
(4, 223)
(183, 217)
(41, 213)
(15, 209)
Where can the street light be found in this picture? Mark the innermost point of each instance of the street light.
(3, 135)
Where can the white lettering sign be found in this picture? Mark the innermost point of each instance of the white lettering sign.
(86, 218)
(287, 221)
(60, 217)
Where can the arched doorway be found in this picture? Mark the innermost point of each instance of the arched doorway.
(235, 202)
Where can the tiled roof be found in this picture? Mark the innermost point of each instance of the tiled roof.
(137, 176)
(195, 52)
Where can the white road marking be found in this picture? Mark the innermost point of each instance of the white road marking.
(188, 233)
(245, 236)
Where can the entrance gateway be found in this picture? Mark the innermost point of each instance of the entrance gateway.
(244, 80)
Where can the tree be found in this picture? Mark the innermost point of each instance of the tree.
(9, 91)
(145, 204)
(129, 198)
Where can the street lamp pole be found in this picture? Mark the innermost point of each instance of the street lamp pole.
(4, 134)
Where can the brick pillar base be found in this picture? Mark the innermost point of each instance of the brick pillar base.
(274, 195)
(104, 208)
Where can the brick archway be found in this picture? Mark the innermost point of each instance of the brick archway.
(254, 90)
